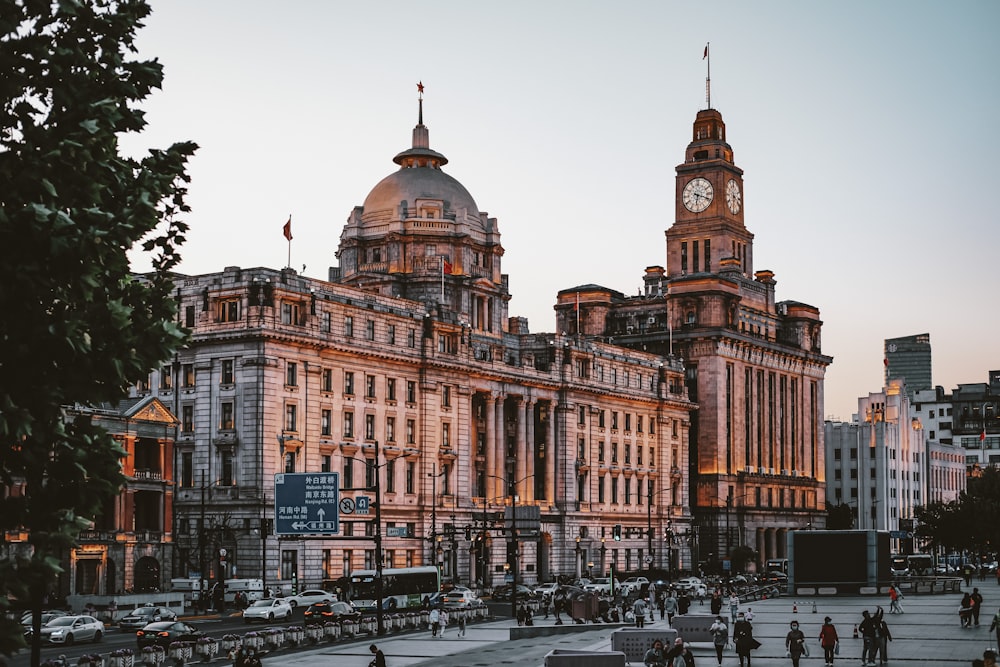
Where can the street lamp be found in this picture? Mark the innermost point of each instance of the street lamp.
(516, 546)
(434, 478)
(650, 494)
(579, 560)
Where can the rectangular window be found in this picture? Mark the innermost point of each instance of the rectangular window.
(446, 435)
(348, 326)
(187, 419)
(229, 310)
(187, 370)
(390, 389)
(187, 470)
(349, 383)
(289, 564)
(638, 423)
(326, 422)
(348, 424)
(684, 256)
(614, 420)
(324, 322)
(600, 451)
(411, 475)
(581, 418)
(291, 417)
(289, 461)
(652, 426)
(600, 488)
(370, 470)
(226, 472)
(226, 376)
(348, 482)
(411, 428)
(391, 334)
(390, 429)
(166, 378)
(369, 427)
(390, 476)
(411, 391)
(694, 255)
(446, 396)
(614, 452)
(600, 419)
(289, 312)
(226, 416)
(628, 421)
(638, 455)
(614, 490)
(411, 338)
(370, 329)
(291, 374)
(628, 490)
(327, 380)
(326, 463)
(628, 453)
(708, 254)
(189, 317)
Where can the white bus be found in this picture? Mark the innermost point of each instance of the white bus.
(402, 588)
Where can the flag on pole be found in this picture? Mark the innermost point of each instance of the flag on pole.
(287, 229)
(705, 55)
(445, 266)
(982, 436)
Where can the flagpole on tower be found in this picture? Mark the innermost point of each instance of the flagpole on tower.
(287, 232)
(708, 78)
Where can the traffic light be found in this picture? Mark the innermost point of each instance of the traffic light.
(468, 533)
(616, 532)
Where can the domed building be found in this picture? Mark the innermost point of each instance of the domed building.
(421, 236)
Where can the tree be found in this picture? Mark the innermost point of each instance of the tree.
(839, 517)
(970, 523)
(78, 326)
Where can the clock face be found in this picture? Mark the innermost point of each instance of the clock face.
(697, 195)
(733, 198)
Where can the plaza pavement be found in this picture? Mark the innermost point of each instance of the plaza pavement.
(927, 633)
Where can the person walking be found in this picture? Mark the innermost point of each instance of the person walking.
(639, 611)
(965, 611)
(882, 639)
(744, 639)
(720, 636)
(683, 603)
(977, 603)
(867, 627)
(715, 605)
(443, 619)
(734, 605)
(661, 603)
(379, 659)
(894, 597)
(829, 640)
(995, 625)
(670, 605)
(795, 643)
(461, 623)
(435, 619)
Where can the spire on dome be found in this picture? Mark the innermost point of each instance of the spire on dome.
(420, 155)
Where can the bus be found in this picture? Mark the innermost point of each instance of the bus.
(777, 565)
(915, 565)
(402, 588)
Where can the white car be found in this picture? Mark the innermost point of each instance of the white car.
(306, 598)
(633, 584)
(547, 590)
(267, 610)
(602, 586)
(69, 629)
(692, 586)
(459, 599)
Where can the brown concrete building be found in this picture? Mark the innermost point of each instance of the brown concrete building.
(753, 364)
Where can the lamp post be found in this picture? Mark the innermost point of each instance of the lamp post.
(377, 534)
(434, 478)
(650, 494)
(669, 537)
(579, 560)
(515, 544)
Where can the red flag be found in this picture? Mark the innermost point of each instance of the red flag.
(287, 229)
(982, 436)
(446, 267)
(705, 55)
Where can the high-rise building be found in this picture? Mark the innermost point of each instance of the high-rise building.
(753, 364)
(908, 358)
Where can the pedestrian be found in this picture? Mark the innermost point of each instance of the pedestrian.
(686, 655)
(655, 657)
(995, 625)
(882, 638)
(639, 611)
(795, 644)
(720, 636)
(461, 624)
(977, 603)
(379, 659)
(967, 574)
(675, 652)
(894, 597)
(683, 603)
(965, 611)
(112, 610)
(867, 628)
(435, 619)
(546, 600)
(734, 605)
(829, 640)
(443, 619)
(670, 605)
(661, 603)
(716, 603)
(743, 638)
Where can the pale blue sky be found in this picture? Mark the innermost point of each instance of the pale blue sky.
(866, 131)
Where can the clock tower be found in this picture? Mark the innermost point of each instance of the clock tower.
(709, 226)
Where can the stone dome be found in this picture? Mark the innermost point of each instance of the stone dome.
(406, 186)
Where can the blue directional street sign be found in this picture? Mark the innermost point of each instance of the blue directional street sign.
(307, 503)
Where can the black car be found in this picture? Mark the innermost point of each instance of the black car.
(503, 592)
(162, 633)
(321, 612)
(140, 617)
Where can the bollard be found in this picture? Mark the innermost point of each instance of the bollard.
(814, 606)
(795, 607)
(855, 631)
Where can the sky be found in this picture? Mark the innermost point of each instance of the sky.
(866, 131)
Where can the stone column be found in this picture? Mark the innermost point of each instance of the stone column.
(520, 451)
(489, 449)
(550, 455)
(499, 453)
(529, 450)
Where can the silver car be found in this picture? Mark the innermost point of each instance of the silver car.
(70, 629)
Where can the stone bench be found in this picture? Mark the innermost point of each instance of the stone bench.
(634, 642)
(567, 658)
(694, 627)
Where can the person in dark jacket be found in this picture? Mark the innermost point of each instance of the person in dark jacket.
(882, 639)
(379, 659)
(743, 638)
(795, 643)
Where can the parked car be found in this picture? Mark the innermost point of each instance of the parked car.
(693, 586)
(321, 612)
(633, 584)
(774, 577)
(267, 610)
(306, 598)
(503, 592)
(459, 599)
(140, 617)
(602, 586)
(162, 633)
(46, 617)
(546, 590)
(70, 629)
